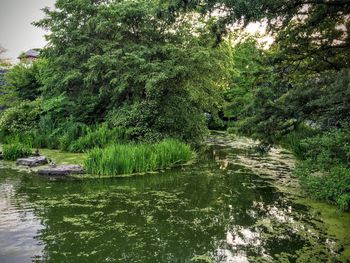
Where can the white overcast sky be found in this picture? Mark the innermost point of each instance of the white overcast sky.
(16, 32)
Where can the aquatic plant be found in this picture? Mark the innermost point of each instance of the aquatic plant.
(14, 151)
(136, 158)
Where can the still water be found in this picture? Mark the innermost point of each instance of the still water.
(218, 209)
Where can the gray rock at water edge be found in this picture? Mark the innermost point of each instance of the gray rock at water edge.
(32, 161)
(61, 170)
(1, 156)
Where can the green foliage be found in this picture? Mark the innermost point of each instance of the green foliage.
(313, 35)
(325, 168)
(152, 77)
(20, 119)
(332, 186)
(247, 62)
(301, 104)
(294, 140)
(98, 138)
(136, 158)
(328, 148)
(24, 79)
(68, 136)
(71, 132)
(14, 151)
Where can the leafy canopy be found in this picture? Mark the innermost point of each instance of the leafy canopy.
(116, 61)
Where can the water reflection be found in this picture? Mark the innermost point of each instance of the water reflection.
(18, 225)
(217, 209)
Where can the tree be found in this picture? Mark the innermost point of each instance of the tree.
(24, 80)
(115, 61)
(247, 63)
(315, 31)
(311, 46)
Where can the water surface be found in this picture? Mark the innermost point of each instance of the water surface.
(219, 209)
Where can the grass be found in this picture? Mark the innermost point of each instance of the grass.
(136, 158)
(99, 138)
(12, 152)
(76, 138)
(60, 157)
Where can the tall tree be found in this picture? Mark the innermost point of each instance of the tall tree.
(115, 61)
(315, 31)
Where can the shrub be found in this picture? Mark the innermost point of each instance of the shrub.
(99, 138)
(136, 158)
(294, 140)
(329, 148)
(14, 151)
(72, 131)
(20, 119)
(325, 166)
(25, 79)
(332, 186)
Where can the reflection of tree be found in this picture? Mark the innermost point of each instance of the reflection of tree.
(18, 224)
(168, 217)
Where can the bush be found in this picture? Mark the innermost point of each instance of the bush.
(295, 141)
(99, 138)
(325, 166)
(72, 132)
(136, 158)
(14, 151)
(332, 186)
(329, 148)
(24, 79)
(20, 119)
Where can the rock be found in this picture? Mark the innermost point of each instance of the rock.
(32, 161)
(1, 156)
(61, 170)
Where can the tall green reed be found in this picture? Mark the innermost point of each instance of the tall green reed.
(136, 158)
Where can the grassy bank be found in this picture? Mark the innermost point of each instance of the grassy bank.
(323, 165)
(12, 152)
(115, 159)
(136, 158)
(75, 137)
(56, 156)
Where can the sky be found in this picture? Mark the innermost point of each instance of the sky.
(16, 32)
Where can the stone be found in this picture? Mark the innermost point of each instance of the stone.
(32, 161)
(61, 170)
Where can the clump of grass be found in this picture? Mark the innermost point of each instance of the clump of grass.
(14, 151)
(136, 158)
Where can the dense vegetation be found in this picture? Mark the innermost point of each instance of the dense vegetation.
(116, 72)
(123, 66)
(296, 93)
(14, 151)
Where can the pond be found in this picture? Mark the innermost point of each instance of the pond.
(222, 208)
